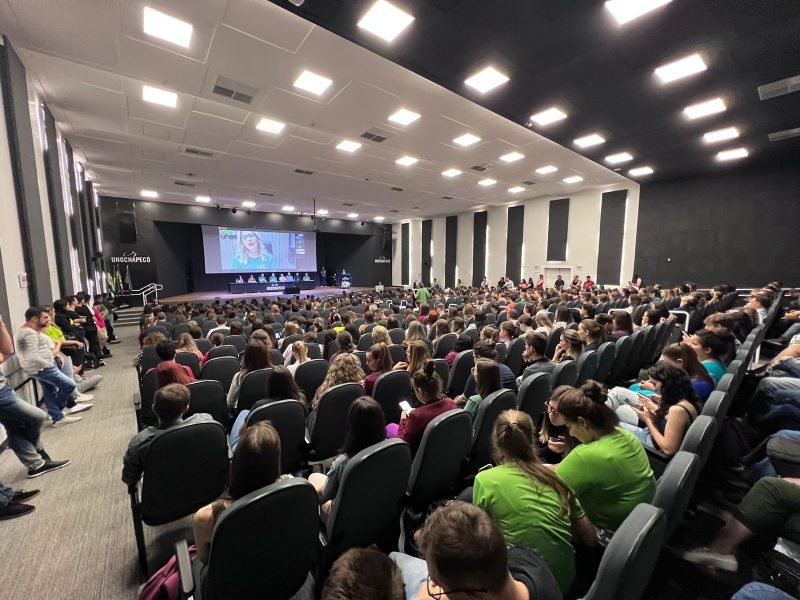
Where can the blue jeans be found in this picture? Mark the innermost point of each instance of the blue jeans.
(642, 433)
(792, 331)
(237, 426)
(760, 591)
(23, 424)
(414, 571)
(6, 493)
(58, 390)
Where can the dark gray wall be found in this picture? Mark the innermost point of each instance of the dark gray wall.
(612, 229)
(405, 249)
(740, 226)
(450, 246)
(480, 221)
(427, 236)
(557, 229)
(171, 236)
(516, 227)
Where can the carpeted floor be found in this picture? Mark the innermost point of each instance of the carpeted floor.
(79, 541)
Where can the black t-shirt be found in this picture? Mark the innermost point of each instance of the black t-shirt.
(529, 568)
(86, 312)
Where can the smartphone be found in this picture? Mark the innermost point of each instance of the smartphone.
(556, 438)
(632, 402)
(405, 406)
(449, 306)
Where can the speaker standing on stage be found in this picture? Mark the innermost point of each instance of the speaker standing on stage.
(323, 277)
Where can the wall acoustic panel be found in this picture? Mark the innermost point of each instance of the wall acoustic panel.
(405, 249)
(516, 226)
(451, 238)
(427, 236)
(557, 229)
(480, 222)
(612, 232)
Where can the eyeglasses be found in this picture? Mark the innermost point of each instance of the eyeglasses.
(550, 408)
(438, 595)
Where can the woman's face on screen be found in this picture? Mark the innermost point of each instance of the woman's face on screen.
(250, 241)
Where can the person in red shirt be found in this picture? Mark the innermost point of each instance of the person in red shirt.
(588, 284)
(427, 386)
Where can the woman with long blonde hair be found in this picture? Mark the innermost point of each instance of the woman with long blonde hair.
(251, 253)
(186, 344)
(380, 335)
(346, 368)
(417, 353)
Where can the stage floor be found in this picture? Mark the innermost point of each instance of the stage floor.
(224, 295)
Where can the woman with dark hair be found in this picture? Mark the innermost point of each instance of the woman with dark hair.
(441, 328)
(353, 331)
(668, 414)
(531, 504)
(256, 463)
(555, 442)
(379, 362)
(345, 342)
(563, 317)
(487, 381)
(609, 471)
(623, 324)
(711, 349)
(256, 356)
(416, 354)
(591, 334)
(366, 427)
(570, 347)
(329, 345)
(463, 342)
(508, 332)
(684, 357)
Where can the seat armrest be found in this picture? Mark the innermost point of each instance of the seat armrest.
(184, 568)
(137, 400)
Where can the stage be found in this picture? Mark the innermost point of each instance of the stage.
(225, 295)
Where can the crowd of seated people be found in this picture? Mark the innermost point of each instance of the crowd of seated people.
(565, 482)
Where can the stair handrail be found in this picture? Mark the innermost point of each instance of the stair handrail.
(145, 291)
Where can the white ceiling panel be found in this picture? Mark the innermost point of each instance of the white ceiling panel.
(278, 28)
(161, 67)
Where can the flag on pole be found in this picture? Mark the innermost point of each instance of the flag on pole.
(128, 281)
(117, 282)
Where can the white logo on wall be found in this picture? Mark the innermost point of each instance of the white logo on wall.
(382, 260)
(130, 257)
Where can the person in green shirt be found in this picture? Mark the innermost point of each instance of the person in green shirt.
(529, 503)
(422, 295)
(609, 471)
(487, 381)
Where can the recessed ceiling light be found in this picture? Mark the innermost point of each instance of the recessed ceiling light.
(679, 69)
(352, 215)
(270, 125)
(167, 28)
(403, 117)
(406, 161)
(487, 182)
(379, 218)
(451, 172)
(546, 169)
(203, 199)
(159, 96)
(487, 79)
(466, 140)
(248, 204)
(348, 146)
(512, 157)
(322, 211)
(620, 157)
(311, 82)
(628, 10)
(516, 189)
(640, 171)
(573, 179)
(719, 135)
(287, 207)
(385, 20)
(732, 154)
(550, 115)
(593, 139)
(148, 194)
(703, 109)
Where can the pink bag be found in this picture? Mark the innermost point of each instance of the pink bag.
(165, 584)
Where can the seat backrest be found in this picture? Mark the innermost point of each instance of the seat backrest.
(564, 373)
(622, 350)
(288, 417)
(514, 356)
(221, 369)
(313, 351)
(552, 341)
(397, 352)
(631, 556)
(725, 382)
(717, 406)
(237, 341)
(190, 360)
(289, 340)
(365, 341)
(208, 326)
(276, 356)
(150, 359)
(488, 411)
(330, 426)
(179, 329)
(203, 344)
(675, 487)
(459, 373)
(208, 396)
(649, 344)
(310, 375)
(224, 350)
(532, 395)
(606, 353)
(472, 333)
(185, 468)
(437, 465)
(277, 526)
(397, 335)
(389, 390)
(587, 366)
(158, 329)
(442, 369)
(446, 344)
(502, 352)
(700, 437)
(147, 391)
(370, 327)
(638, 339)
(370, 496)
(252, 388)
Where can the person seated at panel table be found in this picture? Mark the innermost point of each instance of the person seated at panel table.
(239, 279)
(306, 277)
(250, 279)
(262, 278)
(289, 277)
(282, 278)
(272, 278)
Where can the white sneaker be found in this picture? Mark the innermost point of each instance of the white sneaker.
(709, 558)
(83, 397)
(66, 421)
(80, 406)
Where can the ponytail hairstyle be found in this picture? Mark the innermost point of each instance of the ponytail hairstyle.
(489, 334)
(717, 344)
(299, 348)
(428, 380)
(380, 353)
(589, 404)
(512, 442)
(345, 341)
(675, 386)
(511, 329)
(575, 343)
(593, 329)
(418, 353)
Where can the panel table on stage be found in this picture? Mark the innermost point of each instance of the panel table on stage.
(286, 288)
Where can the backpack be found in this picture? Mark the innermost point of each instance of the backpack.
(165, 584)
(784, 454)
(733, 441)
